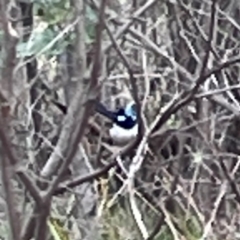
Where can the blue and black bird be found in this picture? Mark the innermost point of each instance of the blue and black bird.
(124, 121)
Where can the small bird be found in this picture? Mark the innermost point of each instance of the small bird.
(125, 124)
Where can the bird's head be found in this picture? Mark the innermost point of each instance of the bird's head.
(127, 117)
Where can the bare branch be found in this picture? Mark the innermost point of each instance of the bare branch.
(86, 103)
(7, 177)
(9, 56)
(209, 42)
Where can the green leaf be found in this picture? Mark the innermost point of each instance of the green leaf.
(91, 15)
(40, 40)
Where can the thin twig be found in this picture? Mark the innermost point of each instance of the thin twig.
(219, 199)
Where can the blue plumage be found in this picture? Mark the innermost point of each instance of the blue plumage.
(124, 120)
(123, 117)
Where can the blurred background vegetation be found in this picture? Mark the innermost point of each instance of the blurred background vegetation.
(187, 185)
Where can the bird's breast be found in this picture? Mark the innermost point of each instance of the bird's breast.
(121, 135)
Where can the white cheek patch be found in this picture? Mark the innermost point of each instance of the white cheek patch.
(132, 115)
(121, 118)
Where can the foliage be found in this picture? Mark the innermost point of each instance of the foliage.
(57, 229)
(4, 230)
(51, 23)
(39, 41)
(191, 156)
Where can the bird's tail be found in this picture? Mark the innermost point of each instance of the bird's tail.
(100, 108)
